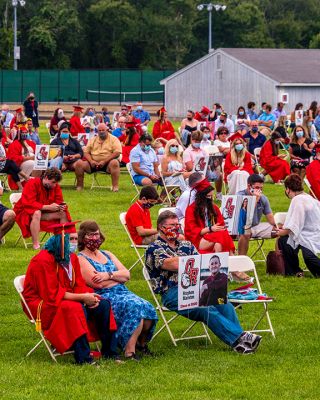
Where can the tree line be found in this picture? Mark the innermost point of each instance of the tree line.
(148, 34)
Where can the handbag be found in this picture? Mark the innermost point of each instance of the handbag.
(275, 263)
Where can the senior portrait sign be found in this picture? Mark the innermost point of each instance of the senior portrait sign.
(202, 280)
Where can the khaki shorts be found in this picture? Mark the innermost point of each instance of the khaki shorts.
(262, 230)
(149, 239)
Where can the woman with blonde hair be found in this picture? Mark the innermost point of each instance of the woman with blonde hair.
(238, 166)
(172, 166)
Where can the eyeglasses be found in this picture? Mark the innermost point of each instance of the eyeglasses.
(174, 145)
(172, 226)
(93, 234)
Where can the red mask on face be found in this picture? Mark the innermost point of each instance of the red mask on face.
(171, 233)
(92, 244)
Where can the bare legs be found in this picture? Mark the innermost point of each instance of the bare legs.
(139, 336)
(37, 217)
(8, 221)
(114, 170)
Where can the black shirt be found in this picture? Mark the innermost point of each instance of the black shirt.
(73, 147)
(300, 151)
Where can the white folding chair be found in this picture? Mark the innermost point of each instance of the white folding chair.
(14, 198)
(256, 153)
(212, 149)
(166, 322)
(136, 247)
(48, 130)
(245, 264)
(170, 190)
(306, 181)
(4, 178)
(133, 183)
(95, 182)
(279, 218)
(18, 284)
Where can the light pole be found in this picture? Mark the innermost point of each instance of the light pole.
(210, 7)
(16, 49)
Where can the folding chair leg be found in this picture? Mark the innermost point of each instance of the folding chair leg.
(260, 243)
(35, 347)
(166, 325)
(269, 321)
(206, 332)
(18, 240)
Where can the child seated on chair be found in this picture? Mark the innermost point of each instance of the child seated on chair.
(138, 217)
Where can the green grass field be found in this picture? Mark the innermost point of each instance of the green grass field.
(286, 367)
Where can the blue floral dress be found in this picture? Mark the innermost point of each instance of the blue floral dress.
(129, 309)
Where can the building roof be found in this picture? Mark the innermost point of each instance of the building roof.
(292, 66)
(282, 65)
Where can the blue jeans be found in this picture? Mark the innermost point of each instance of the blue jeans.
(222, 319)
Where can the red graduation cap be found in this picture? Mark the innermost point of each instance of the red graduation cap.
(23, 129)
(317, 147)
(202, 185)
(62, 229)
(77, 108)
(235, 136)
(162, 110)
(205, 110)
(18, 110)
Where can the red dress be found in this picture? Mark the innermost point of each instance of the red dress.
(193, 226)
(76, 126)
(62, 321)
(313, 176)
(159, 129)
(127, 148)
(229, 167)
(15, 153)
(278, 169)
(34, 197)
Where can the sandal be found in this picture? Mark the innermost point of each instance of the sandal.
(144, 350)
(300, 274)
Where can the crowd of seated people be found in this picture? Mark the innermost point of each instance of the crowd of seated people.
(59, 282)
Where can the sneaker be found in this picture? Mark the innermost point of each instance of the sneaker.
(250, 340)
(242, 349)
(132, 356)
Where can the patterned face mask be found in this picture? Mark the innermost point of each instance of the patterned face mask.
(171, 233)
(92, 244)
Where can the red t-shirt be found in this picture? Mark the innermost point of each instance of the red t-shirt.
(137, 216)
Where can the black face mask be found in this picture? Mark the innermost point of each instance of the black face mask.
(189, 118)
(147, 205)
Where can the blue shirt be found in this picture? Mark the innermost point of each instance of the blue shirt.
(142, 115)
(262, 207)
(253, 143)
(252, 115)
(156, 253)
(35, 138)
(117, 132)
(146, 159)
(267, 117)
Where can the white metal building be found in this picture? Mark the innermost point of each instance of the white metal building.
(233, 77)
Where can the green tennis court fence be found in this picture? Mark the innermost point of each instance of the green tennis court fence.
(100, 86)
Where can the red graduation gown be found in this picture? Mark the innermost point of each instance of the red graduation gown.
(193, 226)
(160, 128)
(229, 167)
(15, 153)
(313, 176)
(76, 126)
(34, 196)
(62, 321)
(278, 169)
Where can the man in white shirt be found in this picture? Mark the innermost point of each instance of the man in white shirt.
(188, 196)
(223, 120)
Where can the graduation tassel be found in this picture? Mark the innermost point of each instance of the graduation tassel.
(38, 320)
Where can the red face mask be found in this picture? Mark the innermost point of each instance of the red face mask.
(92, 244)
(171, 233)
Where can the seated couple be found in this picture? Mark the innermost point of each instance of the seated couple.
(84, 299)
(162, 261)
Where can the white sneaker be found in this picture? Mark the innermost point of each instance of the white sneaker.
(251, 340)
